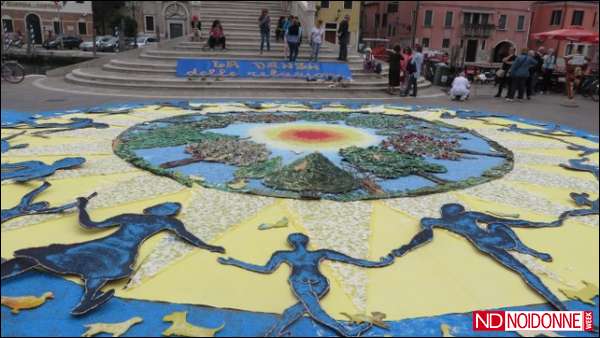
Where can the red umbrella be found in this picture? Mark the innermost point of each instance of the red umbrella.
(573, 34)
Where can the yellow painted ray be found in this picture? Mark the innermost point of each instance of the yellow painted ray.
(66, 229)
(551, 152)
(426, 281)
(557, 170)
(200, 279)
(62, 191)
(449, 269)
(553, 194)
(571, 245)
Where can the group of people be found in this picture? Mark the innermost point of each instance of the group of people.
(405, 66)
(289, 31)
(520, 74)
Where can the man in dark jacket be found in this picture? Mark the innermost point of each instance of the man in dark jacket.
(519, 72)
(344, 38)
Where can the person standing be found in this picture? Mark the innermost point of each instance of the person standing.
(406, 58)
(576, 67)
(535, 71)
(519, 72)
(294, 35)
(316, 39)
(414, 70)
(395, 58)
(280, 29)
(344, 38)
(548, 70)
(286, 26)
(264, 23)
(505, 79)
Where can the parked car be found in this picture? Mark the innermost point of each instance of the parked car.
(143, 41)
(109, 45)
(87, 45)
(68, 42)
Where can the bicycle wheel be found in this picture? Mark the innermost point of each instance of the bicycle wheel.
(13, 72)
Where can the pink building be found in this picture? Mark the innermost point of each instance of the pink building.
(552, 15)
(470, 31)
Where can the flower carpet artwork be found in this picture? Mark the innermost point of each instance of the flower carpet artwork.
(239, 218)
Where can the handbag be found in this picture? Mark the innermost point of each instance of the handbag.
(500, 73)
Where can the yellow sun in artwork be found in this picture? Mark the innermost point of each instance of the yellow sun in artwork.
(312, 136)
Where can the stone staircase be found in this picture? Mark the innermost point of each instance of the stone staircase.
(152, 68)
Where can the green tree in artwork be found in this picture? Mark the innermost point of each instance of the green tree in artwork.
(390, 164)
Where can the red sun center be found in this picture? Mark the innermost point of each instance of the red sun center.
(310, 135)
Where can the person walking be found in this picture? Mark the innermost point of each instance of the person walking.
(294, 35)
(264, 24)
(548, 70)
(505, 79)
(414, 70)
(344, 38)
(316, 39)
(395, 57)
(286, 26)
(519, 73)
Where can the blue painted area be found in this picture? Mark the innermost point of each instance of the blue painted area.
(53, 318)
(262, 69)
(468, 166)
(401, 184)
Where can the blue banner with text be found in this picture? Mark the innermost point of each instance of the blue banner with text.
(262, 69)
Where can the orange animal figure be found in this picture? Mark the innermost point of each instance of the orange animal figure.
(17, 304)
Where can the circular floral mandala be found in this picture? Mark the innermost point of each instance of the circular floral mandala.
(324, 155)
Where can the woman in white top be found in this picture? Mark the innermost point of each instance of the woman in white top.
(316, 39)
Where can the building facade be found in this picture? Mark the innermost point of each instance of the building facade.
(553, 15)
(477, 31)
(45, 19)
(332, 13)
(167, 19)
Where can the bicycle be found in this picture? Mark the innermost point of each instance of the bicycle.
(589, 87)
(13, 72)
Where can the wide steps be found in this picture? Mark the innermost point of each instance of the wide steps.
(234, 55)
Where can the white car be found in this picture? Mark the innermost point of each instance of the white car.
(143, 41)
(87, 45)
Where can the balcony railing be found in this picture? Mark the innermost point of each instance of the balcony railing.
(477, 30)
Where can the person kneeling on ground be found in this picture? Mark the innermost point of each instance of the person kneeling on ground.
(460, 88)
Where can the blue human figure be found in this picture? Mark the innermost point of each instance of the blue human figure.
(105, 259)
(582, 199)
(584, 151)
(31, 170)
(27, 207)
(307, 282)
(496, 240)
(6, 146)
(55, 127)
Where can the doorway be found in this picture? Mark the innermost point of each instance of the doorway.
(471, 54)
(175, 30)
(33, 23)
(501, 50)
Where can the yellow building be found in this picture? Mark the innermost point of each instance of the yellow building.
(332, 13)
